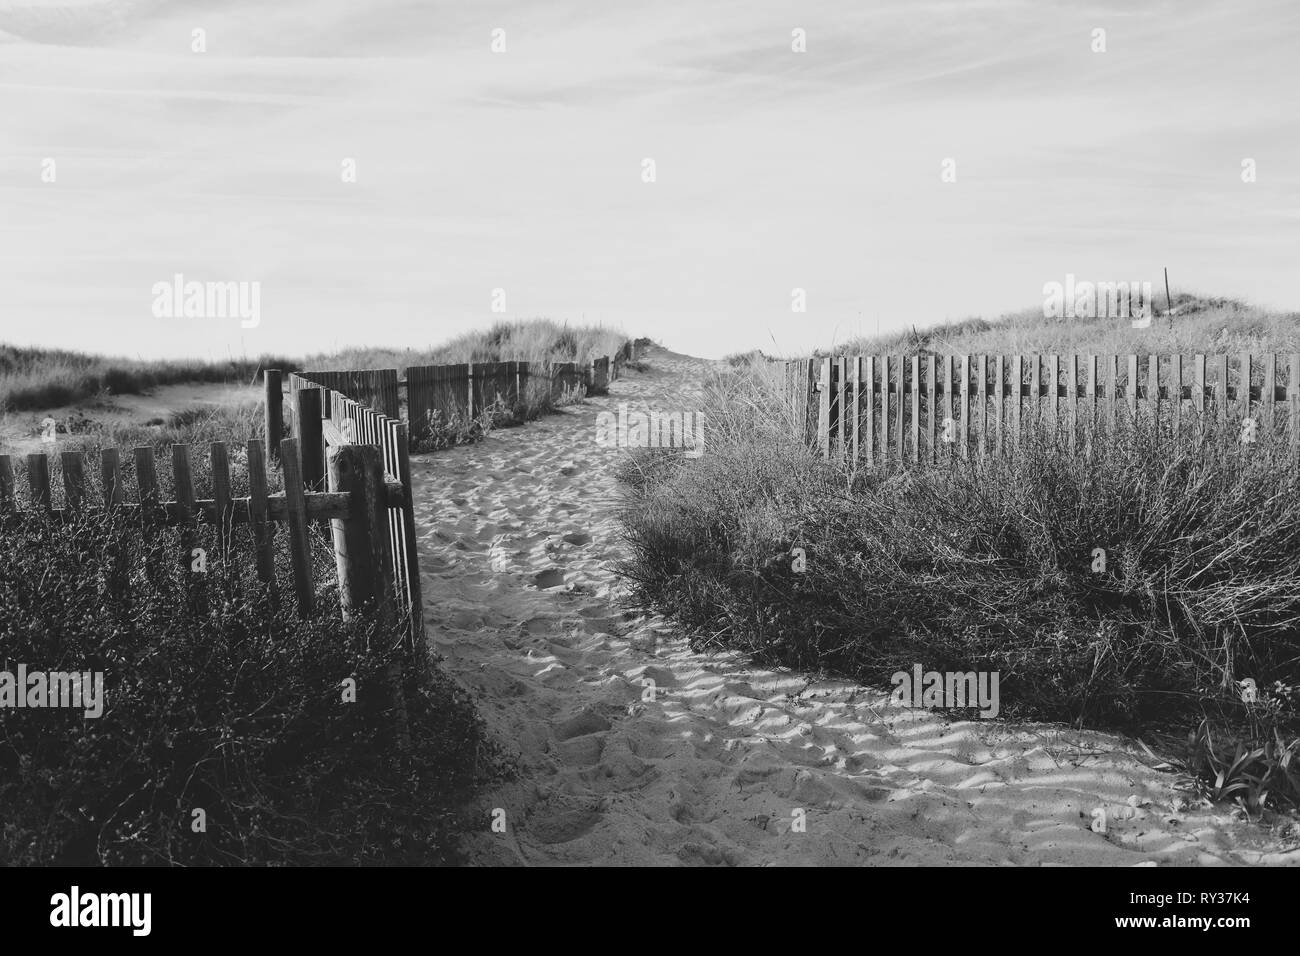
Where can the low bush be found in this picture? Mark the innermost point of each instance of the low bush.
(33, 379)
(993, 565)
(226, 734)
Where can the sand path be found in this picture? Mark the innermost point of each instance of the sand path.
(730, 763)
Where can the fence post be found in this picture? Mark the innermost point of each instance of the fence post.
(263, 546)
(824, 409)
(110, 473)
(6, 483)
(411, 557)
(361, 548)
(183, 482)
(221, 507)
(74, 480)
(296, 519)
(274, 411)
(146, 479)
(310, 437)
(38, 480)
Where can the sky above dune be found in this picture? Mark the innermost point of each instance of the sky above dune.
(523, 170)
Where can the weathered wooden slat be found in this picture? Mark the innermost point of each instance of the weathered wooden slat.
(1017, 385)
(1243, 389)
(1054, 395)
(1000, 406)
(74, 479)
(824, 408)
(855, 398)
(1199, 384)
(884, 410)
(965, 407)
(263, 546)
(1222, 394)
(931, 396)
(110, 477)
(1072, 406)
(291, 426)
(410, 555)
(1267, 397)
(1035, 390)
(274, 409)
(38, 481)
(310, 440)
(982, 398)
(869, 411)
(183, 479)
(146, 479)
(7, 497)
(220, 459)
(949, 383)
(1293, 397)
(840, 417)
(1131, 389)
(1112, 389)
(296, 519)
(916, 409)
(899, 385)
(1176, 381)
(1153, 390)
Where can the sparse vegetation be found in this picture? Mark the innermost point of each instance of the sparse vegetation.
(537, 340)
(220, 699)
(33, 379)
(1200, 325)
(988, 565)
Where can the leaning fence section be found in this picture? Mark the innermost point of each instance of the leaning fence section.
(333, 409)
(914, 409)
(326, 421)
(261, 514)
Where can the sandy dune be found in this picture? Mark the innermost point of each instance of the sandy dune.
(518, 539)
(20, 431)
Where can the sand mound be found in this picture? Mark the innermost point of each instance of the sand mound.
(725, 763)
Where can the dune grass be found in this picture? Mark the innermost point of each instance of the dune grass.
(223, 709)
(33, 379)
(989, 565)
(1206, 325)
(221, 697)
(536, 340)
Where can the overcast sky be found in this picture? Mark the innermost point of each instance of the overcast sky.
(523, 170)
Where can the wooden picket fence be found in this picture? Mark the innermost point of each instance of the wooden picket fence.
(355, 503)
(878, 409)
(449, 392)
(325, 422)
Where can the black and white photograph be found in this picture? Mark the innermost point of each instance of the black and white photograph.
(691, 434)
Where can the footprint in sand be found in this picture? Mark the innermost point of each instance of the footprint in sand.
(709, 771)
(550, 578)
